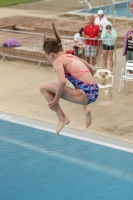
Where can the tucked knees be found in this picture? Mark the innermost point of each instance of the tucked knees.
(43, 87)
(48, 87)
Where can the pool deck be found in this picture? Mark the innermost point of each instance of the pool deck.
(20, 94)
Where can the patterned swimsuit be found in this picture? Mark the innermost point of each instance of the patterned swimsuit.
(91, 90)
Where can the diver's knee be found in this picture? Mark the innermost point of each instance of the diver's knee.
(42, 86)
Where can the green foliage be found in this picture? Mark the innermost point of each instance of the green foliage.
(13, 2)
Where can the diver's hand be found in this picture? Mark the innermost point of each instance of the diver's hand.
(53, 105)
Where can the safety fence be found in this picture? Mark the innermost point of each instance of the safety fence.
(32, 48)
(100, 53)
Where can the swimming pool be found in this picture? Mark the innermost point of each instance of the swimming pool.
(118, 10)
(35, 164)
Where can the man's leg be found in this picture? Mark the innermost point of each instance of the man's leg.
(87, 53)
(93, 54)
(88, 59)
(93, 60)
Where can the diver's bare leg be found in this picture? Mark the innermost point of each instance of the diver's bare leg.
(62, 118)
(88, 117)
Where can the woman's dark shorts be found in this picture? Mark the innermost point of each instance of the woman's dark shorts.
(107, 47)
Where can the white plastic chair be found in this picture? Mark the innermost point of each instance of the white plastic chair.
(108, 85)
(125, 74)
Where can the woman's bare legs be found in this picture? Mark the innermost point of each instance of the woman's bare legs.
(105, 57)
(76, 96)
(88, 117)
(111, 52)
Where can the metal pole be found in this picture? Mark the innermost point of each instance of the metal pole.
(114, 11)
(100, 3)
(88, 4)
(127, 13)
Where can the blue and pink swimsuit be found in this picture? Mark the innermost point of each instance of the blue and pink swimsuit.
(91, 90)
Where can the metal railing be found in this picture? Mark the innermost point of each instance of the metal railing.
(100, 57)
(32, 47)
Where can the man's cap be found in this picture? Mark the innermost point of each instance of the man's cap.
(100, 12)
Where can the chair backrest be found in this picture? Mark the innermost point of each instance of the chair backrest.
(108, 74)
(129, 66)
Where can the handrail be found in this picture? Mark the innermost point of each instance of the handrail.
(88, 4)
(32, 49)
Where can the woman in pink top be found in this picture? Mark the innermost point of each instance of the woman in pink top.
(78, 72)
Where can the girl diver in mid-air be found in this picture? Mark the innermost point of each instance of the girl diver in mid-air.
(78, 72)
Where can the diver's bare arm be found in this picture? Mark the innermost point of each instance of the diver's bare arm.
(62, 80)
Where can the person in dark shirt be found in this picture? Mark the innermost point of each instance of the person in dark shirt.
(129, 53)
(128, 46)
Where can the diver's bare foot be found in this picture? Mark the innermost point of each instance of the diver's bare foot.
(61, 124)
(88, 117)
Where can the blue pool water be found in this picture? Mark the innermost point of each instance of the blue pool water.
(38, 165)
(120, 10)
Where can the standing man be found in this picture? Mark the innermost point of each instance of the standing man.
(92, 33)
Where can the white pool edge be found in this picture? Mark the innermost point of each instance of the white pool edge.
(89, 137)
